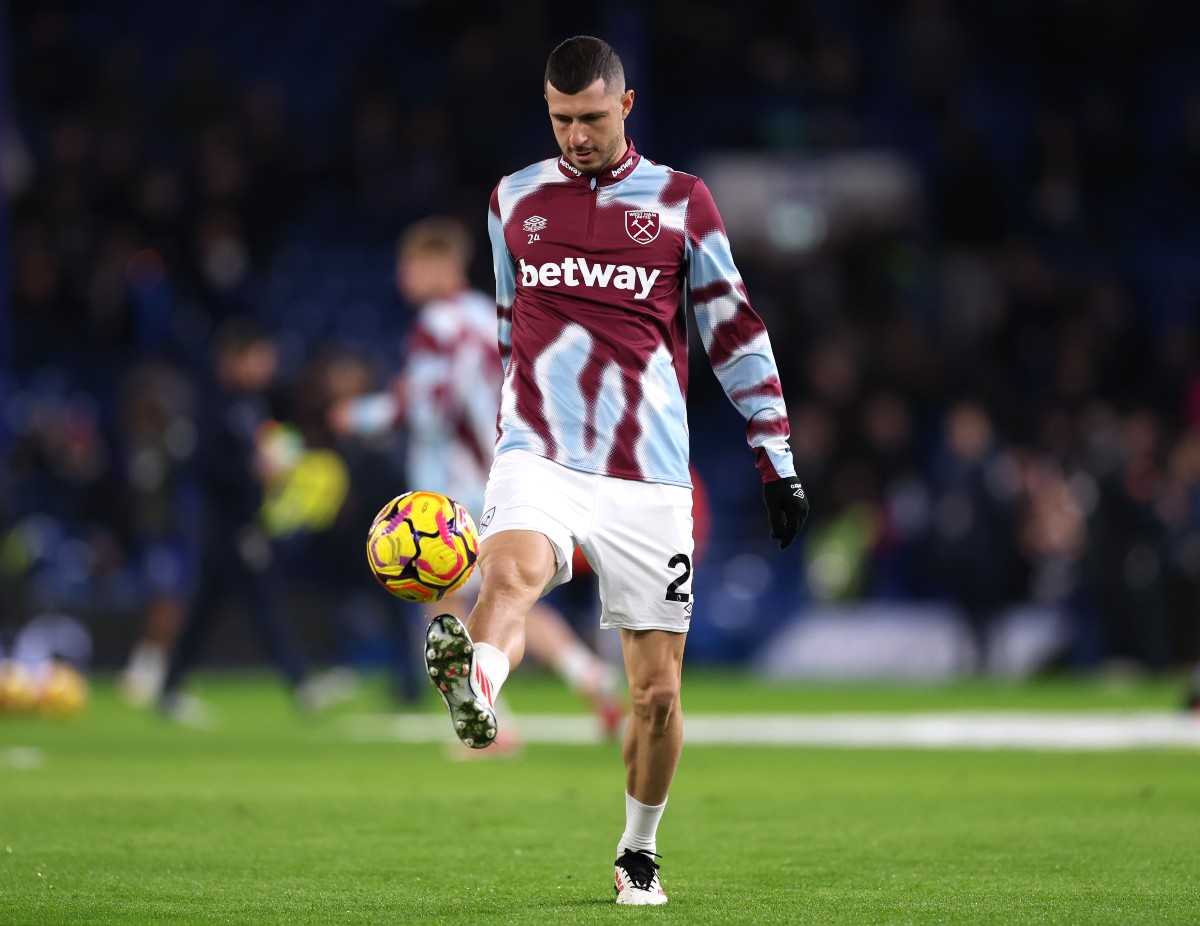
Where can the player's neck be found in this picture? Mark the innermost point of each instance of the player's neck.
(448, 293)
(620, 156)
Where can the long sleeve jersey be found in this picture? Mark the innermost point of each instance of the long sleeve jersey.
(446, 397)
(450, 383)
(594, 276)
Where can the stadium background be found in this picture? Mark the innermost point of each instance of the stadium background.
(972, 230)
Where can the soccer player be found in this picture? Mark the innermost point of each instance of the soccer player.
(597, 253)
(446, 397)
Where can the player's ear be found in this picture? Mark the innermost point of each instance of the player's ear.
(626, 103)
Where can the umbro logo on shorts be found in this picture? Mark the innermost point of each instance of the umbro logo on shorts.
(486, 519)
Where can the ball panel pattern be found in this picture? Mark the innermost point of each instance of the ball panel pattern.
(422, 546)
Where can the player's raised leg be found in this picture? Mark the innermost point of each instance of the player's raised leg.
(653, 743)
(453, 666)
(468, 664)
(516, 565)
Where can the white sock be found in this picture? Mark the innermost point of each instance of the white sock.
(143, 676)
(575, 666)
(641, 825)
(586, 673)
(494, 666)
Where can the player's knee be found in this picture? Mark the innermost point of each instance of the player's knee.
(509, 577)
(656, 702)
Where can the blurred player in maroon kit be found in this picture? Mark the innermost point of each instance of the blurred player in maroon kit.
(598, 254)
(446, 399)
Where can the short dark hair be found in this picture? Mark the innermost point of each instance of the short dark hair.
(238, 334)
(578, 62)
(436, 236)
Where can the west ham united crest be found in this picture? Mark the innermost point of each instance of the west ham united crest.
(642, 227)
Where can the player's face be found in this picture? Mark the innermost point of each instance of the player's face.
(412, 279)
(422, 278)
(590, 124)
(254, 367)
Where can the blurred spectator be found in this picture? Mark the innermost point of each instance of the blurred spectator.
(159, 438)
(1123, 560)
(1051, 525)
(1179, 509)
(972, 544)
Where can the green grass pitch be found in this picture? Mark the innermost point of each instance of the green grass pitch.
(119, 817)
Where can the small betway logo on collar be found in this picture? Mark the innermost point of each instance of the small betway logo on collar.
(567, 165)
(617, 171)
(535, 223)
(641, 226)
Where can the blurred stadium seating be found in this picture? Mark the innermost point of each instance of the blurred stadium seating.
(979, 269)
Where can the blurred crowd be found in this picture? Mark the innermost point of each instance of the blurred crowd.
(996, 400)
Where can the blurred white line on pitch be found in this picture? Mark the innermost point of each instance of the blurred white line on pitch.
(22, 757)
(966, 730)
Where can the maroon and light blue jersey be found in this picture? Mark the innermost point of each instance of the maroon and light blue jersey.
(450, 383)
(593, 277)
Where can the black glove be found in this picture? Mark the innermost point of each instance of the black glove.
(787, 508)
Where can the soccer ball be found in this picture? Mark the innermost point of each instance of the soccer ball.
(422, 546)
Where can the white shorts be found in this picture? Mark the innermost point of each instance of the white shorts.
(637, 536)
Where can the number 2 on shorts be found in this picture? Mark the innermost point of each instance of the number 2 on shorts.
(672, 590)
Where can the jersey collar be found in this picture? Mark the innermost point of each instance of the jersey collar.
(610, 175)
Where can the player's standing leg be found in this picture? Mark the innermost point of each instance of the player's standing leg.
(554, 642)
(653, 743)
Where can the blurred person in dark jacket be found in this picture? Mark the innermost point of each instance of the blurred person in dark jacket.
(236, 557)
(973, 553)
(1179, 508)
(1122, 566)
